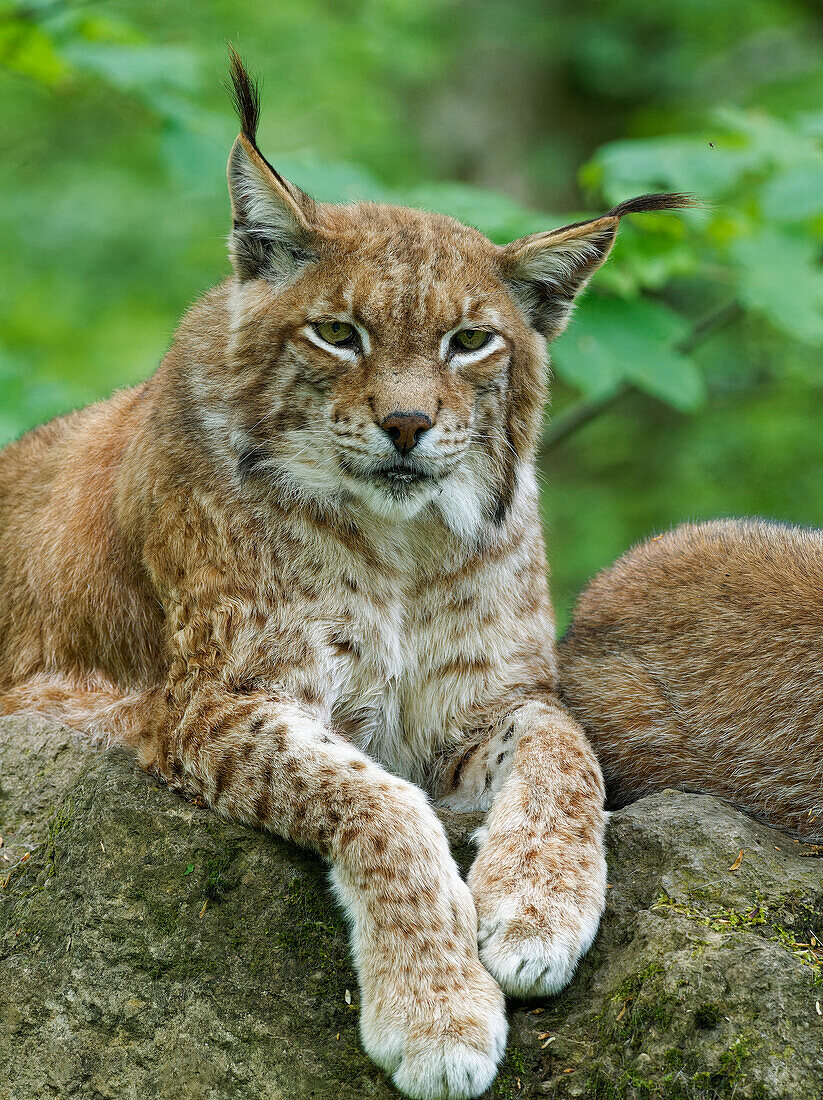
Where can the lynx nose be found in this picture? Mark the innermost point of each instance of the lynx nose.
(405, 428)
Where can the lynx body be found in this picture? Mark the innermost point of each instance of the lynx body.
(301, 571)
(696, 661)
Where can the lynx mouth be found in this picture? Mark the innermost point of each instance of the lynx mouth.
(394, 476)
(399, 481)
(400, 475)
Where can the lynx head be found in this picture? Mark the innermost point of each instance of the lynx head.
(385, 357)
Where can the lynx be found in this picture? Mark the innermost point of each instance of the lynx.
(301, 571)
(696, 662)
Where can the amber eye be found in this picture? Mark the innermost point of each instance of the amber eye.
(470, 339)
(336, 333)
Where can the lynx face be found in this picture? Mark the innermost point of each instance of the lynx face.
(387, 369)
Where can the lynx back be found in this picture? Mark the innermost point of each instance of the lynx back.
(696, 661)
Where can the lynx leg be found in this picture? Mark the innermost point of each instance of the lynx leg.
(539, 879)
(431, 1015)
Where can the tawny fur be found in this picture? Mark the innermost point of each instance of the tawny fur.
(696, 662)
(233, 569)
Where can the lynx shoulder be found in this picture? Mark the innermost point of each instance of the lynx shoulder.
(696, 661)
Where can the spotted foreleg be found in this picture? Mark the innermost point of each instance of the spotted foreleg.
(539, 879)
(431, 1015)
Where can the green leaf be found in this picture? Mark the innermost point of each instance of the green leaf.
(613, 342)
(26, 48)
(332, 180)
(136, 68)
(648, 259)
(796, 193)
(772, 140)
(688, 163)
(780, 277)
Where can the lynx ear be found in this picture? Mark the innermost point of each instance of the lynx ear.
(273, 221)
(546, 271)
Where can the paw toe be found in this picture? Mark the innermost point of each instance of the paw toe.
(450, 1073)
(445, 1065)
(528, 966)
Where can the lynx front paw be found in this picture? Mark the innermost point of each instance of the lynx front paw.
(438, 1044)
(539, 880)
(537, 915)
(531, 954)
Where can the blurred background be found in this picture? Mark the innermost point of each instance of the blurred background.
(689, 384)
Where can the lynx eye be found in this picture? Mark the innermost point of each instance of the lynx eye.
(336, 333)
(470, 339)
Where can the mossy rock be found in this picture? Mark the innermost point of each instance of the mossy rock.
(148, 948)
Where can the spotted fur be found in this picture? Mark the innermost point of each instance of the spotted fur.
(696, 662)
(232, 568)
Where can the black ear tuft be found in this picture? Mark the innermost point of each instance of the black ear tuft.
(675, 201)
(273, 232)
(245, 96)
(545, 271)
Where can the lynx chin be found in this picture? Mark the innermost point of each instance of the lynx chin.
(301, 571)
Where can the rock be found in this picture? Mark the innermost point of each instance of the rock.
(39, 761)
(702, 982)
(149, 949)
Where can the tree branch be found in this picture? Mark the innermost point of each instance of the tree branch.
(573, 418)
(580, 413)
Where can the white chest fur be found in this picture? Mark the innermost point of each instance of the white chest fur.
(377, 668)
(419, 634)
(410, 671)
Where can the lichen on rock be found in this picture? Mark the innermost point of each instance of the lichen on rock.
(148, 948)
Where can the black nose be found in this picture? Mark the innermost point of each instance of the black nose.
(405, 428)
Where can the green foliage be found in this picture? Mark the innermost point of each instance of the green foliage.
(756, 242)
(636, 342)
(701, 335)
